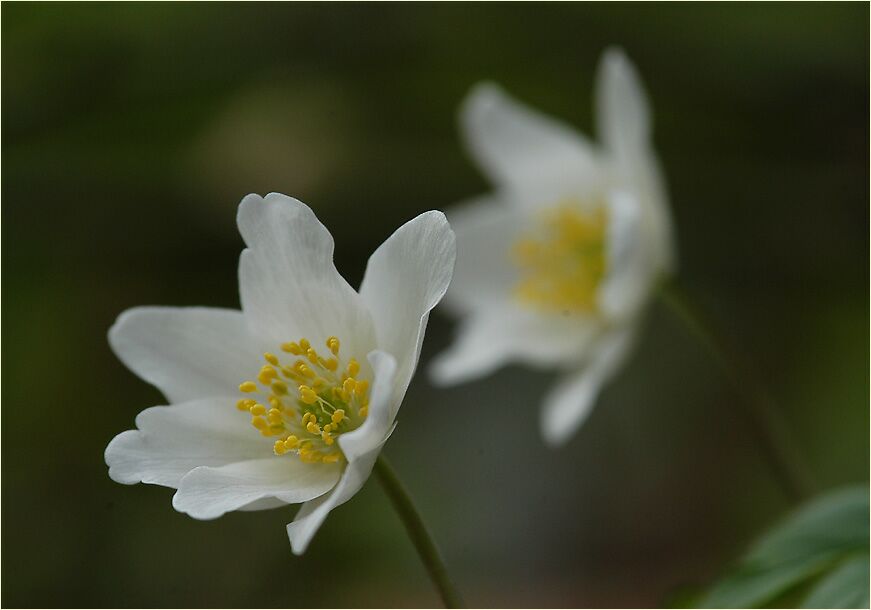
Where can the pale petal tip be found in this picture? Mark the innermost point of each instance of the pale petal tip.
(299, 539)
(554, 434)
(482, 97)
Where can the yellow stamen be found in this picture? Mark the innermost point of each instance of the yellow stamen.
(353, 367)
(292, 348)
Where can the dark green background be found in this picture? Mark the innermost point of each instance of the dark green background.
(130, 133)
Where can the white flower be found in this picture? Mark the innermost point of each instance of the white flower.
(291, 399)
(554, 267)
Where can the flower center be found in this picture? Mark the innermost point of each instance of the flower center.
(311, 402)
(562, 261)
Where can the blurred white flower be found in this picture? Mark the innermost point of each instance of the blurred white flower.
(291, 399)
(554, 268)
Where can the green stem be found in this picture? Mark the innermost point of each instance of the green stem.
(420, 536)
(766, 420)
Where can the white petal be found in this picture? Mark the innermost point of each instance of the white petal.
(493, 337)
(630, 268)
(171, 441)
(621, 106)
(537, 158)
(187, 353)
(486, 230)
(361, 447)
(405, 278)
(624, 126)
(208, 493)
(569, 403)
(288, 283)
(263, 504)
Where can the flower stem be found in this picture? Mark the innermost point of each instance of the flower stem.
(420, 536)
(766, 420)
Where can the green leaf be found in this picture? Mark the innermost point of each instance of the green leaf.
(844, 587)
(818, 540)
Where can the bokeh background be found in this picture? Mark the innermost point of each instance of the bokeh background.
(130, 133)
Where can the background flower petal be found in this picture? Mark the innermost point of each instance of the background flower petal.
(568, 404)
(536, 157)
(208, 493)
(486, 229)
(495, 336)
(188, 353)
(288, 283)
(624, 127)
(630, 268)
(405, 278)
(171, 441)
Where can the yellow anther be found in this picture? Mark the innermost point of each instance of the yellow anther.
(307, 395)
(308, 454)
(314, 385)
(301, 368)
(266, 374)
(291, 348)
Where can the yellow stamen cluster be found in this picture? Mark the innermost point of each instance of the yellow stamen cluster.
(311, 401)
(563, 262)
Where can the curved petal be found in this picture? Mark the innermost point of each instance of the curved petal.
(405, 278)
(492, 338)
(624, 127)
(536, 157)
(630, 273)
(569, 403)
(171, 441)
(288, 283)
(361, 447)
(263, 504)
(621, 106)
(188, 353)
(208, 493)
(486, 228)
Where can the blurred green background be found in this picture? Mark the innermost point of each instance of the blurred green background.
(131, 132)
